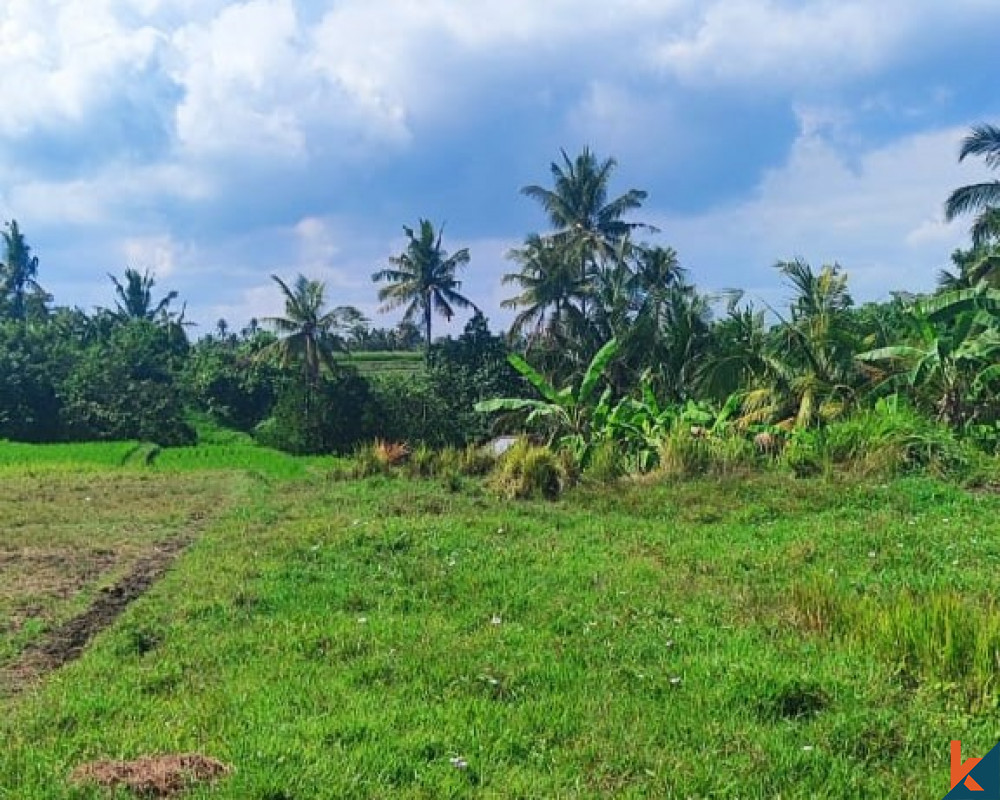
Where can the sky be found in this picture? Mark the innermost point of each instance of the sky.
(217, 143)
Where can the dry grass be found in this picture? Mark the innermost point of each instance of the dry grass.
(66, 536)
(152, 776)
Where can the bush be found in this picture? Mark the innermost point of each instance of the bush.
(527, 471)
(224, 379)
(607, 462)
(329, 417)
(684, 454)
(408, 409)
(804, 454)
(124, 388)
(732, 454)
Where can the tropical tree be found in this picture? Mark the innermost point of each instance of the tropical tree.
(811, 376)
(585, 222)
(134, 299)
(17, 271)
(565, 413)
(984, 198)
(949, 361)
(668, 328)
(979, 266)
(422, 278)
(309, 335)
(552, 290)
(739, 350)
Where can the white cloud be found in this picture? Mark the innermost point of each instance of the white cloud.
(105, 198)
(235, 71)
(879, 216)
(743, 41)
(160, 254)
(775, 44)
(60, 59)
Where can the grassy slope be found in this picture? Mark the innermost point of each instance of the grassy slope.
(742, 639)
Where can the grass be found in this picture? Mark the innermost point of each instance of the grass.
(387, 362)
(68, 534)
(17, 457)
(754, 637)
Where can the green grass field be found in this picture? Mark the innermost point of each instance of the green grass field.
(387, 363)
(747, 637)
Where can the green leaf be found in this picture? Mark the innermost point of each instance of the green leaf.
(894, 353)
(596, 370)
(509, 404)
(534, 377)
(948, 306)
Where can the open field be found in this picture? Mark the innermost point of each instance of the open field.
(760, 637)
(386, 362)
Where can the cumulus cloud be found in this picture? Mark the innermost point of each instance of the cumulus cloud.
(235, 139)
(878, 214)
(776, 44)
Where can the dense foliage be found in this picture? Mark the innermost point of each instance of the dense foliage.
(614, 355)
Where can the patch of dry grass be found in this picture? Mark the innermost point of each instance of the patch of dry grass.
(65, 536)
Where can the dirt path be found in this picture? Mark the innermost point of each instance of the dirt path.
(67, 642)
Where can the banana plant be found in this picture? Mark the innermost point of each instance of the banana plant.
(638, 426)
(567, 413)
(952, 357)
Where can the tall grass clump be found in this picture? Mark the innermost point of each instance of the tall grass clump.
(937, 636)
(527, 471)
(887, 441)
(688, 453)
(607, 462)
(683, 455)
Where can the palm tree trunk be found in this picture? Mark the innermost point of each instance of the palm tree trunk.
(427, 324)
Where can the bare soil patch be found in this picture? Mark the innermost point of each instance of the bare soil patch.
(153, 776)
(76, 549)
(66, 642)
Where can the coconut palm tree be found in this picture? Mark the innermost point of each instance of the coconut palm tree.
(552, 289)
(17, 271)
(585, 222)
(135, 298)
(984, 198)
(811, 376)
(309, 334)
(979, 266)
(422, 278)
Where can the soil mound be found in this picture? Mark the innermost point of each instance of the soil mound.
(153, 776)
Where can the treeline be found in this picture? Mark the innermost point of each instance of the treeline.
(612, 346)
(71, 376)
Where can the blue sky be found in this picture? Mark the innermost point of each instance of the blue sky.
(219, 142)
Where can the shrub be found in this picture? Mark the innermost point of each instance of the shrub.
(367, 461)
(423, 462)
(408, 409)
(477, 461)
(804, 454)
(731, 454)
(326, 418)
(528, 471)
(390, 453)
(889, 440)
